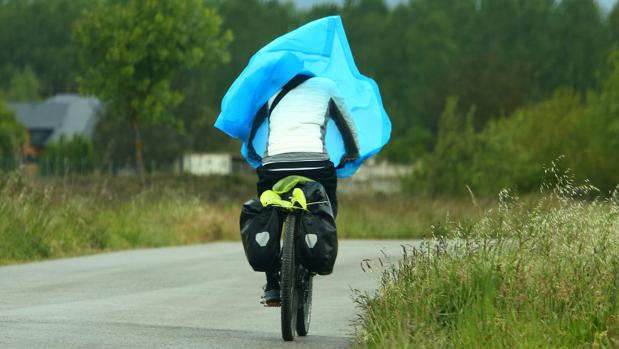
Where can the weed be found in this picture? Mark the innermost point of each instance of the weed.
(523, 276)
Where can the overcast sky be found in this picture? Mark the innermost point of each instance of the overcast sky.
(607, 4)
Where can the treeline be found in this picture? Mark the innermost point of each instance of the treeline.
(468, 84)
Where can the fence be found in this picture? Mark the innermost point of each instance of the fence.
(373, 177)
(64, 167)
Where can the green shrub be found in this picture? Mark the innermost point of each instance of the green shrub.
(75, 155)
(513, 151)
(449, 168)
(12, 138)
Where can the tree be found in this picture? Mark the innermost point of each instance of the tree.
(37, 33)
(514, 150)
(602, 129)
(420, 42)
(12, 135)
(366, 28)
(24, 86)
(205, 85)
(114, 142)
(503, 50)
(448, 170)
(613, 24)
(132, 50)
(254, 24)
(581, 44)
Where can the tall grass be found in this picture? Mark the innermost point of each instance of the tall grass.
(50, 221)
(541, 276)
(400, 216)
(54, 217)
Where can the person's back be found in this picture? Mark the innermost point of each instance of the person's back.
(297, 127)
(298, 123)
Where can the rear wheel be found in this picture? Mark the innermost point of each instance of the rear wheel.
(304, 313)
(289, 293)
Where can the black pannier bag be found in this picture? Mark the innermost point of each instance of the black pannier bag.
(317, 244)
(260, 232)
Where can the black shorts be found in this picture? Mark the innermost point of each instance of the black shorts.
(322, 172)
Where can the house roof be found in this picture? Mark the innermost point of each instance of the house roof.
(64, 115)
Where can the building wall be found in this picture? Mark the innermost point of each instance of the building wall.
(376, 177)
(206, 164)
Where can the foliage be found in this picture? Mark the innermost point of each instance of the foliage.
(77, 151)
(205, 86)
(400, 216)
(455, 149)
(74, 215)
(613, 24)
(24, 86)
(601, 129)
(37, 34)
(12, 136)
(520, 277)
(113, 141)
(512, 151)
(38, 222)
(495, 56)
(581, 36)
(449, 169)
(499, 58)
(131, 52)
(246, 19)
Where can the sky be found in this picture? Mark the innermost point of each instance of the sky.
(606, 4)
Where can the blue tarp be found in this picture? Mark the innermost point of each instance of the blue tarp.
(319, 48)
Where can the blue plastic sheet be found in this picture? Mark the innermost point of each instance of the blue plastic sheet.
(319, 48)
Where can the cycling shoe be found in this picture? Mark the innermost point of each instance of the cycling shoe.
(271, 297)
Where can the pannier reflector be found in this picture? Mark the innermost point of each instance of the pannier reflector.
(263, 238)
(311, 239)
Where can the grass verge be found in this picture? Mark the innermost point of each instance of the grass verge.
(52, 220)
(541, 276)
(69, 216)
(398, 216)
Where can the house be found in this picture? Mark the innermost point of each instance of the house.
(61, 115)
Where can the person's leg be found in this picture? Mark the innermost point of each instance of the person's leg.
(266, 180)
(271, 294)
(272, 280)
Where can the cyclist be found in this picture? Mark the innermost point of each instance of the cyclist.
(297, 117)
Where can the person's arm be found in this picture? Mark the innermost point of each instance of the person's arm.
(261, 115)
(343, 120)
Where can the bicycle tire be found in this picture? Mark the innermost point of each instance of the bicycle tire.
(289, 294)
(304, 313)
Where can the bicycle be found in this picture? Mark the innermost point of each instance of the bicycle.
(296, 284)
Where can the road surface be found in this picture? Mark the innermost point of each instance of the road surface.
(202, 296)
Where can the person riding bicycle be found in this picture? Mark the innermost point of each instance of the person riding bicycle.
(297, 117)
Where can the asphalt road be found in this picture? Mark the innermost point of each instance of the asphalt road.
(203, 296)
